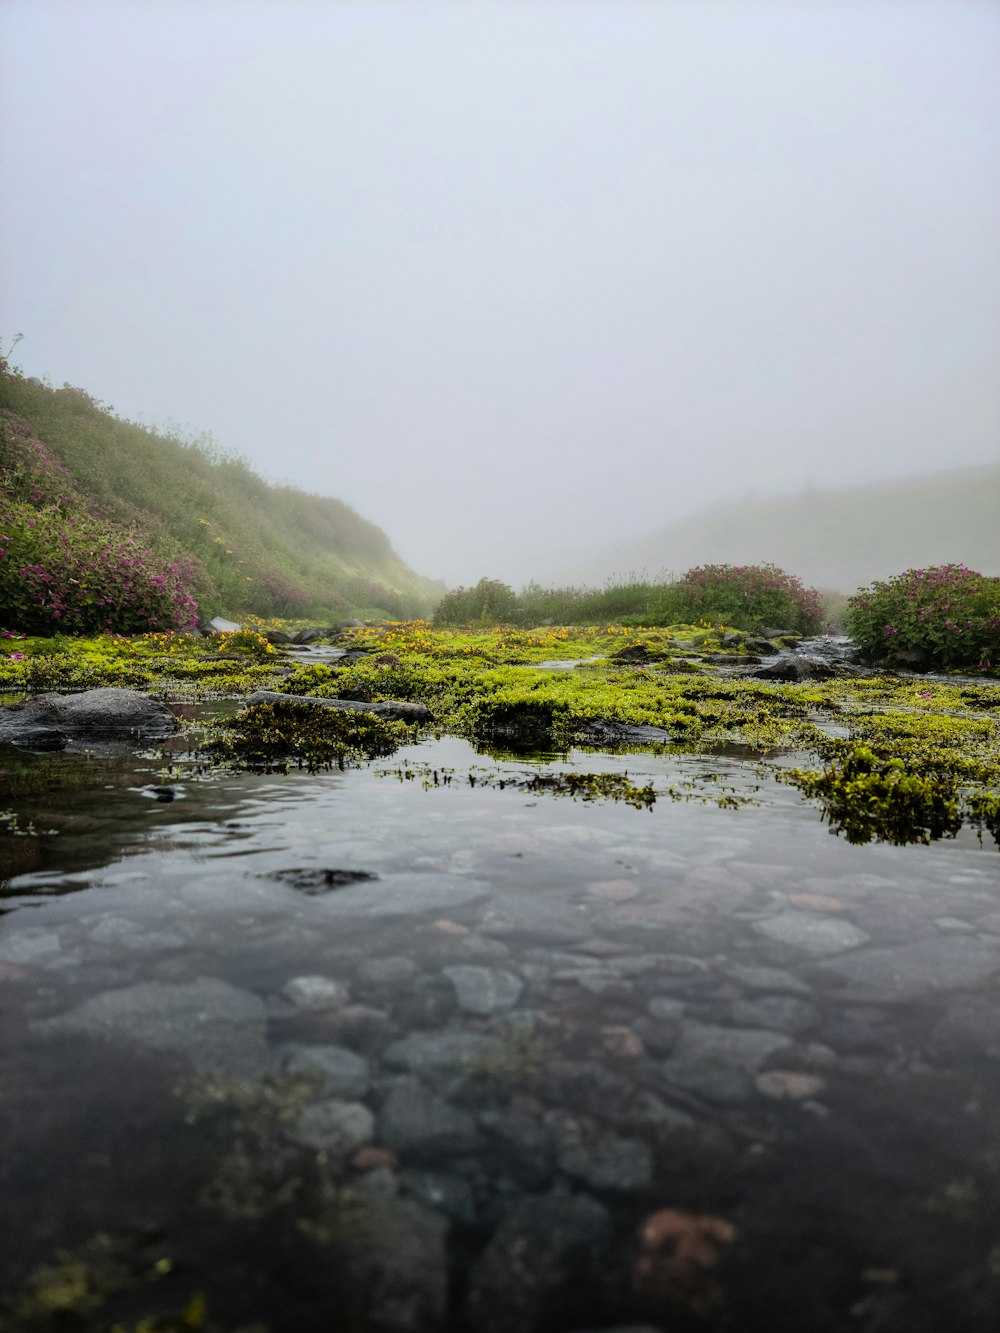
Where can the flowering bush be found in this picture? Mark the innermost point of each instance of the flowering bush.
(948, 613)
(77, 573)
(749, 597)
(490, 602)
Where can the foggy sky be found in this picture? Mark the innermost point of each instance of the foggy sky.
(515, 280)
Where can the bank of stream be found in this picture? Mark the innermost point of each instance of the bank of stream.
(472, 1036)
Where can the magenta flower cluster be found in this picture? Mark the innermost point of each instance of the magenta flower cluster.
(64, 567)
(948, 613)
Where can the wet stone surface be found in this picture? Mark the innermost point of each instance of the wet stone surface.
(546, 1067)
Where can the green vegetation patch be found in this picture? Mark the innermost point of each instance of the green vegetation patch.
(274, 737)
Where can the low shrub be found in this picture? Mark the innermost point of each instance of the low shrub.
(490, 602)
(948, 614)
(748, 597)
(78, 573)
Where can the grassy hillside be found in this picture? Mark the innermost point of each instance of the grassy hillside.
(254, 547)
(835, 539)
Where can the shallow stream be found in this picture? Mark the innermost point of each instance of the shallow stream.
(409, 1047)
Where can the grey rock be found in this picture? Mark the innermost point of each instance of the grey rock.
(768, 979)
(484, 990)
(220, 625)
(666, 1008)
(395, 1252)
(782, 1013)
(207, 1022)
(794, 668)
(522, 1146)
(334, 1127)
(604, 1161)
(718, 1083)
(28, 946)
(398, 710)
(317, 992)
(449, 1194)
(442, 1050)
(812, 934)
(736, 1048)
(540, 1265)
(909, 971)
(339, 1071)
(416, 1123)
(969, 1028)
(388, 971)
(105, 714)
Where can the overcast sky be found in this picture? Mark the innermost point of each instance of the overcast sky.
(516, 279)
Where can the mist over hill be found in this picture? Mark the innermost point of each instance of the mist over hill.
(255, 547)
(838, 539)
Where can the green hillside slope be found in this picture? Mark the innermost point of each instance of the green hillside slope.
(835, 539)
(255, 547)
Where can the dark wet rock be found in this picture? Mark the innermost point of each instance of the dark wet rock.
(910, 971)
(449, 1194)
(658, 1036)
(780, 1013)
(912, 659)
(50, 721)
(429, 1002)
(773, 979)
(520, 1145)
(212, 1025)
(336, 1128)
(277, 637)
(484, 990)
(417, 1124)
(540, 1268)
(666, 1008)
(793, 668)
(395, 1252)
(316, 880)
(308, 635)
(339, 1072)
(399, 710)
(447, 1050)
(812, 934)
(858, 1029)
(602, 1161)
(601, 731)
(363, 1025)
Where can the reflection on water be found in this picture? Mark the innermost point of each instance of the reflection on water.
(370, 1051)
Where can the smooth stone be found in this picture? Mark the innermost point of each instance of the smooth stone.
(403, 894)
(341, 1072)
(415, 1123)
(666, 1009)
(909, 971)
(209, 1023)
(388, 971)
(768, 979)
(722, 1084)
(335, 1127)
(316, 992)
(440, 1050)
(736, 1048)
(394, 1250)
(484, 990)
(611, 1163)
(781, 1013)
(27, 946)
(785, 1085)
(817, 935)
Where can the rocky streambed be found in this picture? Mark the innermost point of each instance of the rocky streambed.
(459, 1040)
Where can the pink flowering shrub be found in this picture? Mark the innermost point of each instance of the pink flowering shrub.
(948, 613)
(749, 597)
(77, 573)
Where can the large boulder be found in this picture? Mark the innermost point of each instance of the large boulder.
(51, 721)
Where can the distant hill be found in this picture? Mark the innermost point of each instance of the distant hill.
(257, 547)
(838, 539)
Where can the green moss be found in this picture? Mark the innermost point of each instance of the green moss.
(273, 737)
